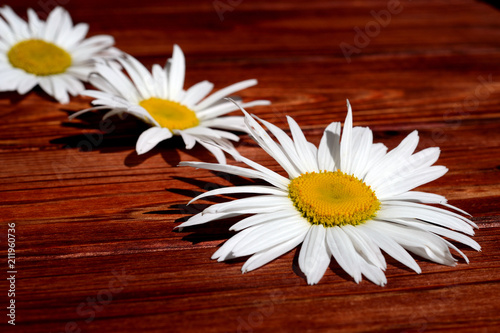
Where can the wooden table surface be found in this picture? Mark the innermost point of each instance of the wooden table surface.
(95, 246)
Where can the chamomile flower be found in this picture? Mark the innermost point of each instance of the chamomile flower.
(347, 199)
(158, 99)
(53, 54)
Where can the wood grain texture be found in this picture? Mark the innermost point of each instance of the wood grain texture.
(85, 216)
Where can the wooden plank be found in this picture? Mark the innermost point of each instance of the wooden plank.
(94, 221)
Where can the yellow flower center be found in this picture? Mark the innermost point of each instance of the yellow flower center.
(39, 57)
(333, 198)
(169, 114)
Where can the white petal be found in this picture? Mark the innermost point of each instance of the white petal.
(264, 218)
(73, 86)
(270, 234)
(251, 205)
(422, 159)
(177, 73)
(235, 170)
(411, 205)
(107, 115)
(269, 145)
(349, 259)
(202, 218)
(346, 141)
(110, 101)
(225, 251)
(329, 148)
(202, 131)
(442, 232)
(225, 134)
(10, 77)
(114, 112)
(143, 80)
(365, 247)
(18, 26)
(117, 83)
(268, 175)
(343, 251)
(377, 152)
(389, 245)
(64, 29)
(257, 189)
(314, 256)
(302, 146)
(262, 258)
(4, 48)
(91, 47)
(60, 90)
(216, 151)
(189, 140)
(196, 93)
(47, 85)
(422, 197)
(406, 167)
(372, 273)
(384, 168)
(98, 40)
(234, 123)
(218, 95)
(35, 24)
(226, 107)
(52, 24)
(288, 147)
(409, 182)
(78, 33)
(150, 138)
(425, 213)
(7, 33)
(161, 81)
(419, 242)
(361, 151)
(81, 72)
(314, 151)
(26, 84)
(205, 133)
(101, 95)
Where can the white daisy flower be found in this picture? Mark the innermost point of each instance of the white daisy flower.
(52, 54)
(349, 198)
(158, 99)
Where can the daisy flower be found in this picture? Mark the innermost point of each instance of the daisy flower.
(52, 54)
(158, 99)
(347, 199)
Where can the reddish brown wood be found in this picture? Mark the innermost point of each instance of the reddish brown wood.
(83, 216)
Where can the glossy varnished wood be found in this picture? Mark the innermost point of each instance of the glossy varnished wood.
(85, 217)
